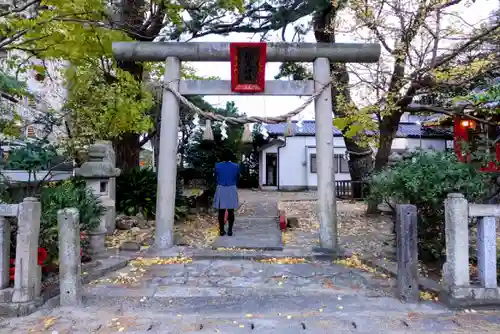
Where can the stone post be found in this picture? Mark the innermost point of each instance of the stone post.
(27, 268)
(97, 171)
(457, 241)
(327, 211)
(407, 254)
(487, 251)
(167, 162)
(6, 210)
(70, 264)
(4, 253)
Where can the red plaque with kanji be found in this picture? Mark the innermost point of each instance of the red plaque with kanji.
(248, 67)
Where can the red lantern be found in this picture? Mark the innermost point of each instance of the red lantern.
(468, 123)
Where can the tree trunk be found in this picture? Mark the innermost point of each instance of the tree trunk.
(127, 147)
(127, 151)
(388, 128)
(360, 158)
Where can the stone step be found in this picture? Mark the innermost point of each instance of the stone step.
(95, 319)
(288, 323)
(259, 254)
(211, 301)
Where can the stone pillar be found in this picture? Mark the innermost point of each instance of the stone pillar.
(97, 171)
(407, 253)
(4, 253)
(27, 268)
(70, 264)
(487, 251)
(6, 210)
(167, 161)
(457, 241)
(327, 211)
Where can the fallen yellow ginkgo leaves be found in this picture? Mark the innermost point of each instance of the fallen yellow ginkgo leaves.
(48, 322)
(283, 260)
(355, 262)
(428, 296)
(144, 262)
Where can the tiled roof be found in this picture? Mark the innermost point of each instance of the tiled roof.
(308, 128)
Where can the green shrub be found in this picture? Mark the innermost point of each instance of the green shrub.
(66, 194)
(424, 179)
(136, 192)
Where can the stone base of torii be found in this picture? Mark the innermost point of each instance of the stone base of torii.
(320, 54)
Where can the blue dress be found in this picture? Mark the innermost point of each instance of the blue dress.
(226, 194)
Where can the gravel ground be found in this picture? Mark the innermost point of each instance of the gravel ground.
(367, 235)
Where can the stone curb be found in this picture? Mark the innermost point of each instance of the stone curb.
(260, 254)
(391, 269)
(298, 200)
(50, 294)
(106, 266)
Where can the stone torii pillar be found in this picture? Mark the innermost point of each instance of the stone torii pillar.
(321, 54)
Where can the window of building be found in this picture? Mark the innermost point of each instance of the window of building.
(30, 131)
(340, 164)
(313, 164)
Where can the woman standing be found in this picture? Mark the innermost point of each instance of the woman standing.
(226, 194)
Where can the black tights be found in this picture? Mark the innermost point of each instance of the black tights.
(230, 213)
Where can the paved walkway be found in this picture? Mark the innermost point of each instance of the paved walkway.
(244, 296)
(183, 290)
(256, 225)
(252, 233)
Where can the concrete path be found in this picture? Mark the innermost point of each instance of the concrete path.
(184, 290)
(252, 233)
(245, 296)
(256, 224)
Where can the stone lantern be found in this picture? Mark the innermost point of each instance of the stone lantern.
(98, 172)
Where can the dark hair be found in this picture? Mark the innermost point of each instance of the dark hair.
(227, 155)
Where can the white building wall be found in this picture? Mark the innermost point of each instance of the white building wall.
(49, 93)
(294, 169)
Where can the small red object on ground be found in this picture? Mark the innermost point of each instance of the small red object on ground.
(42, 255)
(282, 222)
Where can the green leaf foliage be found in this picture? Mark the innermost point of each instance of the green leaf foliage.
(136, 192)
(33, 157)
(424, 179)
(61, 195)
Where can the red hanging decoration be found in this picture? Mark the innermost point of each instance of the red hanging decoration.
(248, 67)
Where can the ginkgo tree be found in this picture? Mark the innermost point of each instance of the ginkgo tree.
(422, 42)
(81, 32)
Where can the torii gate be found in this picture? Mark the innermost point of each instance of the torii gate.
(320, 54)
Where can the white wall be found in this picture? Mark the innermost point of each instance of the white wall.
(294, 161)
(412, 143)
(294, 158)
